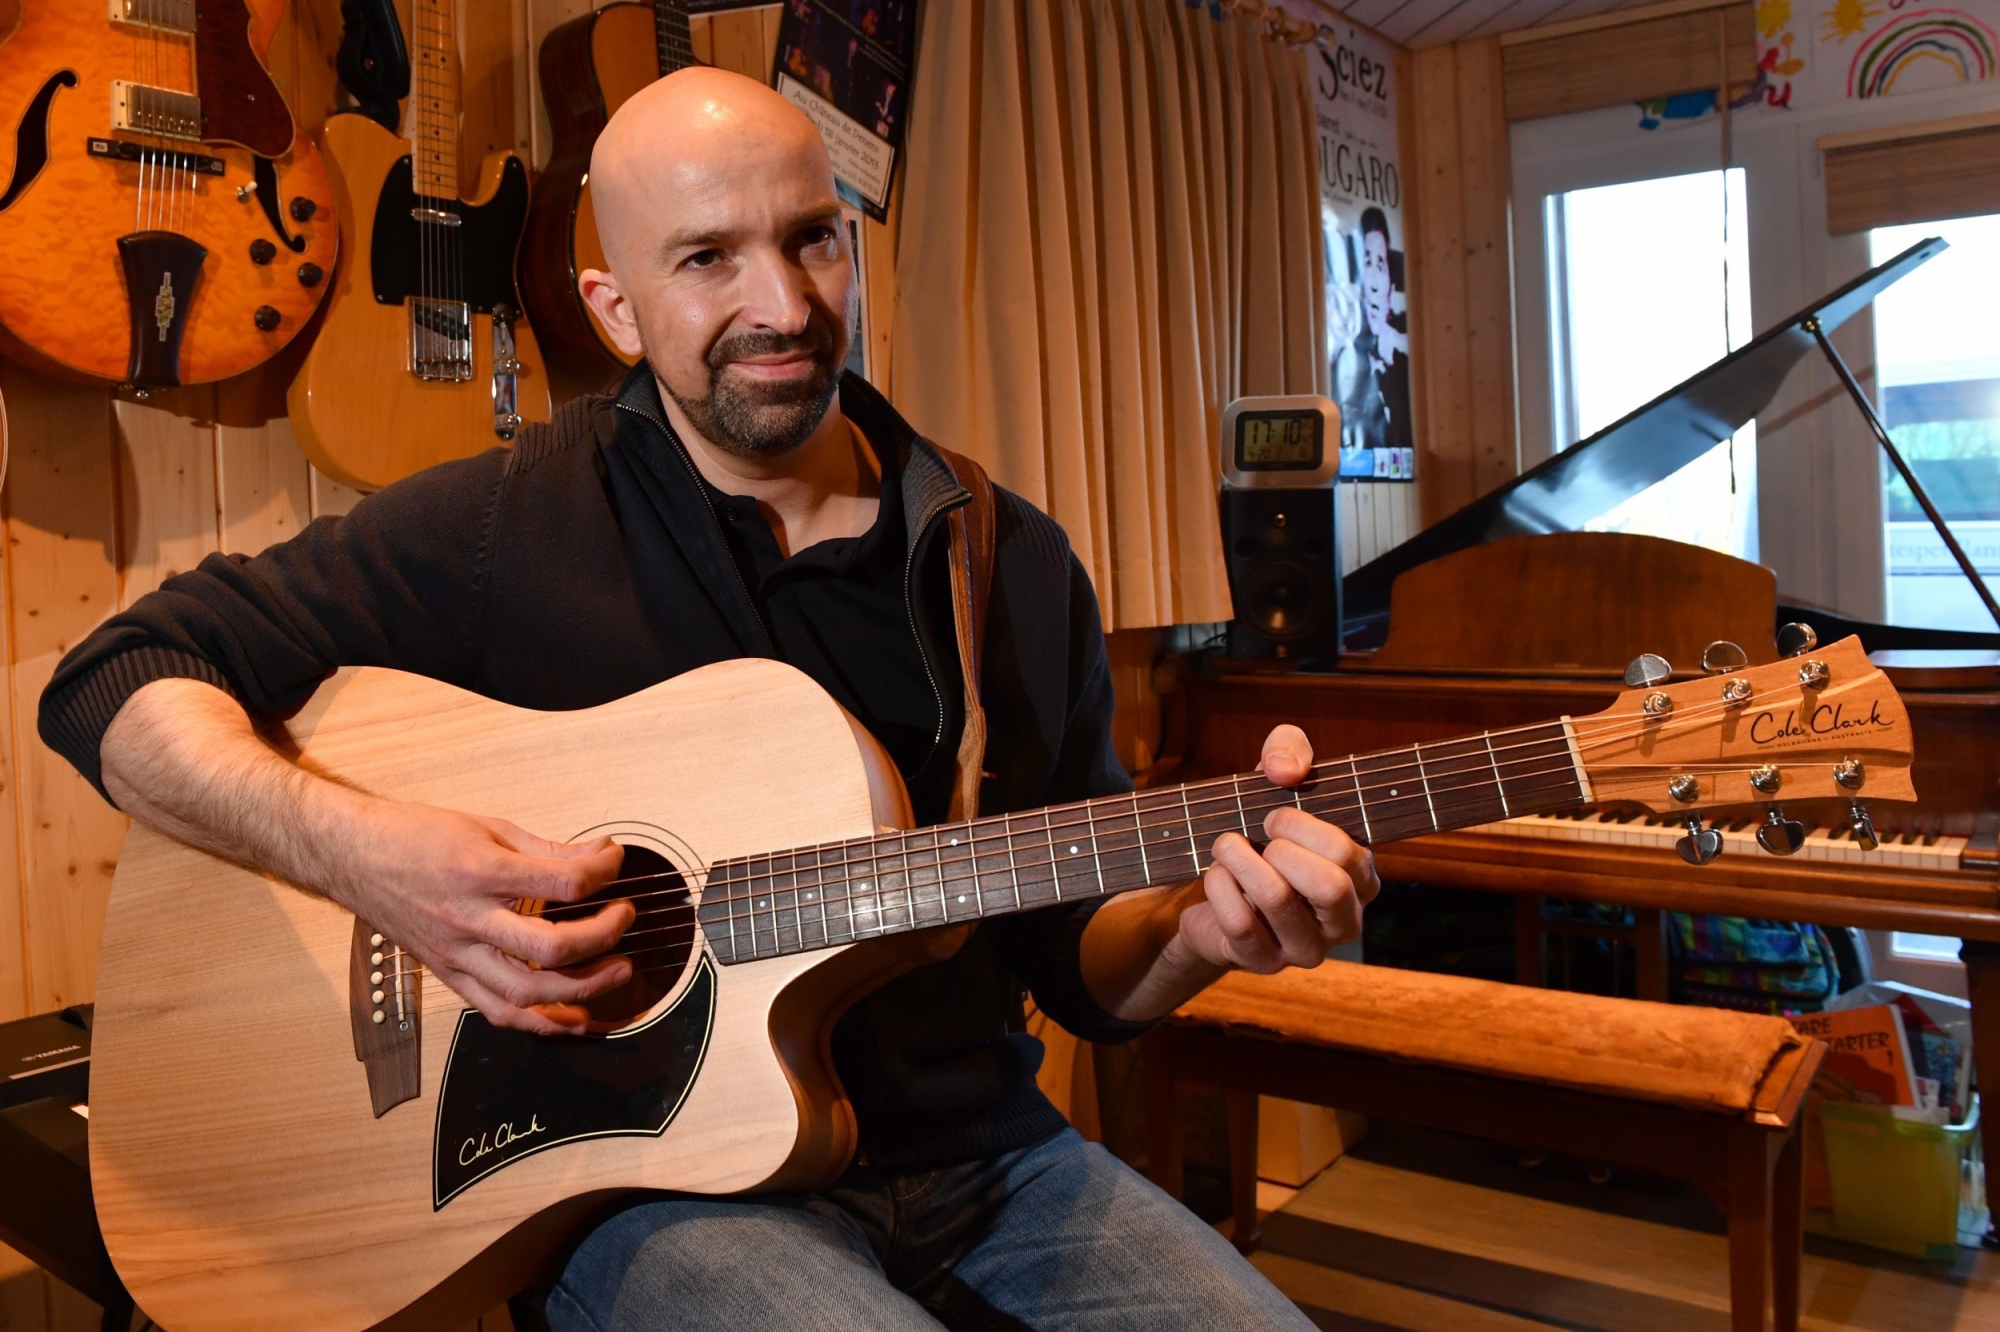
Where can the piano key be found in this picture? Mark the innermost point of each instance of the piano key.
(1834, 844)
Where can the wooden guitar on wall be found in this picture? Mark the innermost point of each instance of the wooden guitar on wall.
(163, 222)
(423, 355)
(293, 1125)
(589, 66)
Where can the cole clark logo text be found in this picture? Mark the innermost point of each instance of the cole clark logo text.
(497, 1140)
(1826, 719)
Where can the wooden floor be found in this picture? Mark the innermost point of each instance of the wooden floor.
(1433, 1234)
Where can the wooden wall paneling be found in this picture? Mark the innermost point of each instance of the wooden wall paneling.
(329, 497)
(1438, 350)
(301, 60)
(1486, 199)
(14, 990)
(61, 514)
(263, 483)
(744, 41)
(166, 499)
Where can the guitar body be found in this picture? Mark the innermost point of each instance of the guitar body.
(589, 67)
(74, 309)
(362, 416)
(242, 1180)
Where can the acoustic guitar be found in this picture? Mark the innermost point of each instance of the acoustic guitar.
(589, 67)
(293, 1125)
(162, 220)
(423, 355)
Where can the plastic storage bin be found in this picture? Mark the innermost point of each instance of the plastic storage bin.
(1906, 1187)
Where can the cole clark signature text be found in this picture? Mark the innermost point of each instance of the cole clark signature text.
(498, 1140)
(1826, 719)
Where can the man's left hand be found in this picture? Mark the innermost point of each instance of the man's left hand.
(1284, 906)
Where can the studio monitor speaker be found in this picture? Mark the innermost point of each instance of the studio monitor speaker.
(1283, 573)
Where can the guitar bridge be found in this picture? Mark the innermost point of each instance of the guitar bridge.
(139, 108)
(385, 1007)
(440, 339)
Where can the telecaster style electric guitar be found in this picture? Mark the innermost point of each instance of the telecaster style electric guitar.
(162, 220)
(293, 1125)
(423, 355)
(589, 67)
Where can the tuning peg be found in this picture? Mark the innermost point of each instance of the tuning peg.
(1862, 826)
(1779, 835)
(1647, 669)
(1722, 656)
(1701, 845)
(1795, 639)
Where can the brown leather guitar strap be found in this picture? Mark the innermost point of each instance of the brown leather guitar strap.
(971, 536)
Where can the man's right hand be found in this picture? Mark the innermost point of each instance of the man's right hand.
(443, 885)
(182, 757)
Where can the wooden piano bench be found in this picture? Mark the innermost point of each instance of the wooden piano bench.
(1704, 1095)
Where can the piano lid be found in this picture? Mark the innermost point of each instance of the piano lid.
(1589, 478)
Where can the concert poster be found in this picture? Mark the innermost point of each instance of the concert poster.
(1361, 211)
(846, 63)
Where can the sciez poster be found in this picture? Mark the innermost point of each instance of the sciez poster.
(846, 63)
(1361, 211)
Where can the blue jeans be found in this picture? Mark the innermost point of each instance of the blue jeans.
(1056, 1237)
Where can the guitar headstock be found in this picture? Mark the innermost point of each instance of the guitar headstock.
(1822, 724)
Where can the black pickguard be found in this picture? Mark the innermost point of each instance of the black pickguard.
(471, 262)
(31, 138)
(509, 1094)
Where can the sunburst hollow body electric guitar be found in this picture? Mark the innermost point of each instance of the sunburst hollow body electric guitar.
(589, 67)
(162, 221)
(293, 1125)
(423, 355)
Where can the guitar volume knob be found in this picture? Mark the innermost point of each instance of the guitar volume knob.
(262, 251)
(267, 318)
(310, 274)
(303, 209)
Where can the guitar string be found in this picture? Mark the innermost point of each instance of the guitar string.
(1599, 736)
(999, 829)
(1334, 803)
(1561, 763)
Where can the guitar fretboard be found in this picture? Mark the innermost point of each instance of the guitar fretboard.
(670, 30)
(818, 896)
(434, 100)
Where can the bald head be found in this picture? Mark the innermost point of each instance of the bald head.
(671, 144)
(729, 266)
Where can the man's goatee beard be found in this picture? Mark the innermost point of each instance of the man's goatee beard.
(753, 420)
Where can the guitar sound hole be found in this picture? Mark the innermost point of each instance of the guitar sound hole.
(660, 942)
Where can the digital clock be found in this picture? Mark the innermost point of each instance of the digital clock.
(1280, 441)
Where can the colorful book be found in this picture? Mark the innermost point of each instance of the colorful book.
(1867, 1050)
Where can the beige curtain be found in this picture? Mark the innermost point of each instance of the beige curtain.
(1109, 229)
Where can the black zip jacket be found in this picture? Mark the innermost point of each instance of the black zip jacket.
(588, 563)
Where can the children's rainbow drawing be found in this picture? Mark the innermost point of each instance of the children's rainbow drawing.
(1950, 37)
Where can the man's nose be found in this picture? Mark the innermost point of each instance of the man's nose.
(779, 295)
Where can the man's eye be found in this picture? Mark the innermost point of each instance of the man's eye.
(820, 235)
(703, 259)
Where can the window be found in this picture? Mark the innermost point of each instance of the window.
(1937, 359)
(1649, 282)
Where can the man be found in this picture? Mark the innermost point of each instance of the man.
(736, 498)
(1388, 344)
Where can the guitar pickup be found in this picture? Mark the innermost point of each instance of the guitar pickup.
(163, 15)
(123, 150)
(140, 108)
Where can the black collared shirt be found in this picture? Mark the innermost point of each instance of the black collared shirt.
(838, 611)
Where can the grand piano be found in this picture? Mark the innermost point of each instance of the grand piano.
(1508, 613)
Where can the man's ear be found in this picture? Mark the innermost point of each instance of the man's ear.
(601, 293)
